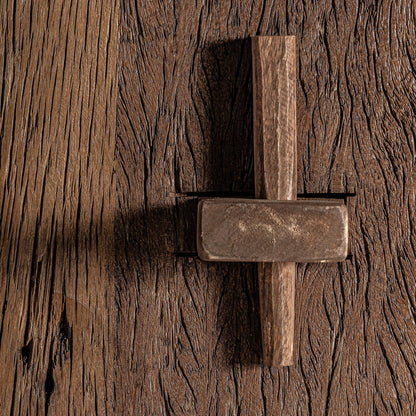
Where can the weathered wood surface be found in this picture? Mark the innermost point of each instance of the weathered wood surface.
(235, 229)
(186, 333)
(275, 177)
(57, 128)
(189, 332)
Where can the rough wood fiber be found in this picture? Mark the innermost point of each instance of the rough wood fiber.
(57, 129)
(275, 140)
(188, 339)
(188, 332)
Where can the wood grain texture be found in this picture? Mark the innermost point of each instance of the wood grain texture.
(57, 128)
(189, 332)
(275, 141)
(274, 116)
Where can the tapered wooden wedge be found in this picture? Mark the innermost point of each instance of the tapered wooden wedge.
(274, 111)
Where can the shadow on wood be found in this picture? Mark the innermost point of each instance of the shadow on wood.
(177, 309)
(227, 75)
(153, 242)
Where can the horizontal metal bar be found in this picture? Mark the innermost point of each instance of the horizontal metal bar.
(268, 231)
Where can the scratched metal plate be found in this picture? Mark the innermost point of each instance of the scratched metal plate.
(270, 231)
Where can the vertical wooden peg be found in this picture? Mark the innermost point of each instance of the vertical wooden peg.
(274, 110)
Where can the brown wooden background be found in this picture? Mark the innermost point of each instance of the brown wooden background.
(114, 117)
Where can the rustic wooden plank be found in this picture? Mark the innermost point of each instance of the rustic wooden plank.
(234, 229)
(188, 332)
(176, 327)
(275, 140)
(57, 128)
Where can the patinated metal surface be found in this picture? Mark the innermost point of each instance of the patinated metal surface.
(272, 231)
